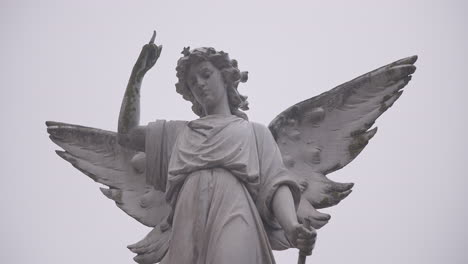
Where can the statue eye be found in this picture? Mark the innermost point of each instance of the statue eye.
(206, 74)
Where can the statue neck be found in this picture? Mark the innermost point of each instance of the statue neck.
(219, 108)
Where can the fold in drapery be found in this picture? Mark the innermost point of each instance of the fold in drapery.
(223, 172)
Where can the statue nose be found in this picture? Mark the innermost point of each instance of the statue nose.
(200, 83)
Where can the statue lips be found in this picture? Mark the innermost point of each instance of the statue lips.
(204, 94)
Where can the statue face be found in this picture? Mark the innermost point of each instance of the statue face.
(206, 84)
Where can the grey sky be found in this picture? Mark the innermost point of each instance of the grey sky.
(70, 60)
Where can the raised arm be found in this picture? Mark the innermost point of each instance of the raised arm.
(130, 134)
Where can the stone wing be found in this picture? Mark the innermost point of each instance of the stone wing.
(324, 133)
(97, 154)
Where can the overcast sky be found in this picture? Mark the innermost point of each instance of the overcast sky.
(70, 61)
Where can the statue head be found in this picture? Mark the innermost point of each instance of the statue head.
(229, 72)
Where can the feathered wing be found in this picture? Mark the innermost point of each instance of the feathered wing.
(326, 132)
(97, 154)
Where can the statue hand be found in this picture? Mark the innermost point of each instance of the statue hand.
(148, 57)
(302, 238)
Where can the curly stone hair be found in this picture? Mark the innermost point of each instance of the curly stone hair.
(229, 71)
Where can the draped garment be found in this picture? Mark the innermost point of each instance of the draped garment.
(222, 176)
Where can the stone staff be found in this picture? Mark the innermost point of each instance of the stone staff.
(302, 256)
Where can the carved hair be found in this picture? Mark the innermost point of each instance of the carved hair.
(229, 71)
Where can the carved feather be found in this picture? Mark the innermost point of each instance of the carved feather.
(153, 247)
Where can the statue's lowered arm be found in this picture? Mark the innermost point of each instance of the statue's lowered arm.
(129, 133)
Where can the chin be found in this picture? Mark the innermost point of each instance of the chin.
(208, 103)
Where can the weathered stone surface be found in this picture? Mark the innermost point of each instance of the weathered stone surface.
(221, 188)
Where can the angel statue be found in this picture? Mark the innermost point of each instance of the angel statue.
(223, 189)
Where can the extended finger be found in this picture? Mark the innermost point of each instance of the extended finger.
(153, 37)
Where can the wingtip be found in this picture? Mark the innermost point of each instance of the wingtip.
(345, 194)
(411, 69)
(106, 192)
(61, 153)
(133, 248)
(70, 158)
(342, 187)
(49, 123)
(371, 133)
(53, 123)
(411, 59)
(325, 217)
(405, 61)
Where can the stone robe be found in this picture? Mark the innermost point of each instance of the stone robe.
(222, 174)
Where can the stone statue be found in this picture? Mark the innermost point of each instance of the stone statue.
(222, 189)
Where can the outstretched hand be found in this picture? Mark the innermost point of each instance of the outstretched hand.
(148, 57)
(302, 238)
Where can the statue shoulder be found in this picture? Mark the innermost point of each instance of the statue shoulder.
(261, 131)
